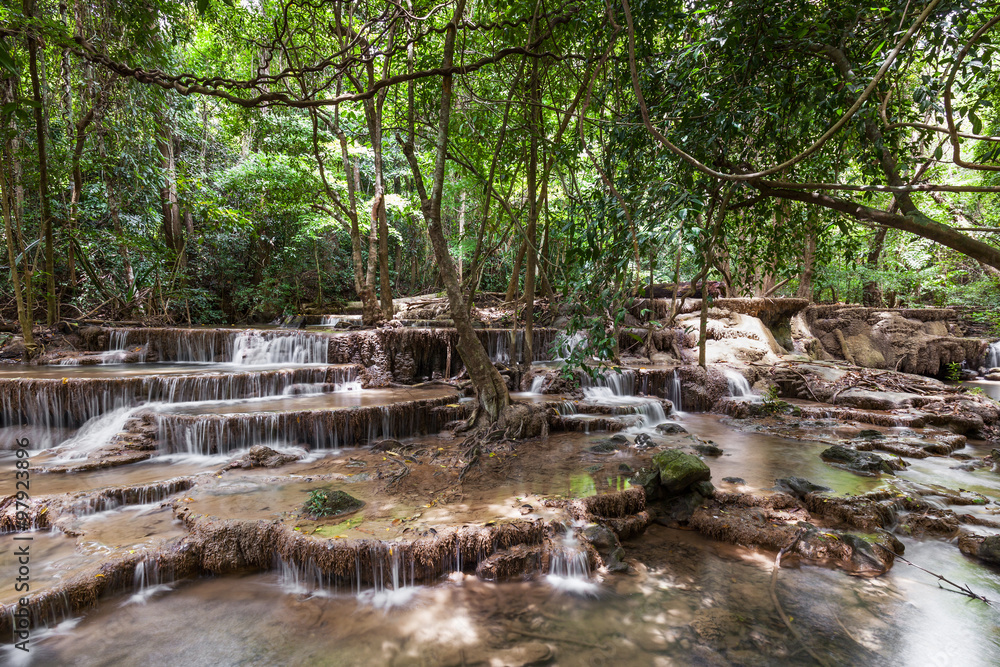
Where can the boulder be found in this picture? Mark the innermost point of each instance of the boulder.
(863, 463)
(798, 487)
(670, 428)
(983, 548)
(261, 456)
(679, 471)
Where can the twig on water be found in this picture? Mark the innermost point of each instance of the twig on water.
(961, 590)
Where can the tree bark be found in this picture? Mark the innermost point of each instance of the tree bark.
(805, 288)
(871, 294)
(41, 135)
(493, 397)
(24, 314)
(515, 276)
(534, 125)
(172, 230)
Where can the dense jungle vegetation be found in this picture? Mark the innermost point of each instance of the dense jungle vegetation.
(216, 161)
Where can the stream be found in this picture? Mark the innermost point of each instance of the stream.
(687, 600)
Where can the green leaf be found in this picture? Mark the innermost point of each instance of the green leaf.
(977, 123)
(7, 60)
(202, 6)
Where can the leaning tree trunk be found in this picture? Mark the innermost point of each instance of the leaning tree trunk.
(493, 397)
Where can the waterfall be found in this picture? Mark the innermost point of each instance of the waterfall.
(569, 567)
(675, 393)
(390, 586)
(227, 345)
(738, 385)
(258, 348)
(147, 582)
(564, 345)
(536, 384)
(95, 434)
(498, 344)
(993, 355)
(330, 320)
(69, 402)
(619, 382)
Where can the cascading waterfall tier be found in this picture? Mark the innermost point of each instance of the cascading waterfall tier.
(738, 385)
(238, 346)
(506, 346)
(71, 401)
(315, 429)
(993, 355)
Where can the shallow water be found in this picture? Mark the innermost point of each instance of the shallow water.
(694, 603)
(691, 601)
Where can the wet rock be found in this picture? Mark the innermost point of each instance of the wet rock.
(867, 512)
(864, 463)
(679, 471)
(261, 456)
(324, 503)
(15, 349)
(603, 539)
(643, 441)
(932, 521)
(871, 434)
(981, 547)
(675, 512)
(707, 449)
(649, 480)
(705, 488)
(798, 486)
(777, 522)
(670, 428)
(517, 562)
(608, 446)
(387, 445)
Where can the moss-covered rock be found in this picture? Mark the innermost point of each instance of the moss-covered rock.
(326, 503)
(678, 471)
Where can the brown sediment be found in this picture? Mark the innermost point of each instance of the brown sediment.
(228, 546)
(751, 523)
(559, 422)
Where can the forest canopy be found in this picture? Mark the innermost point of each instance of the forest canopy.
(219, 161)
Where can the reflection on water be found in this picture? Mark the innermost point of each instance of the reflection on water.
(694, 603)
(690, 601)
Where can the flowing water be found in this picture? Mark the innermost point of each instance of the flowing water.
(689, 600)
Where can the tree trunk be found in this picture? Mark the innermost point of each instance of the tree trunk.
(41, 135)
(805, 288)
(515, 275)
(491, 390)
(168, 190)
(373, 114)
(24, 315)
(871, 294)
